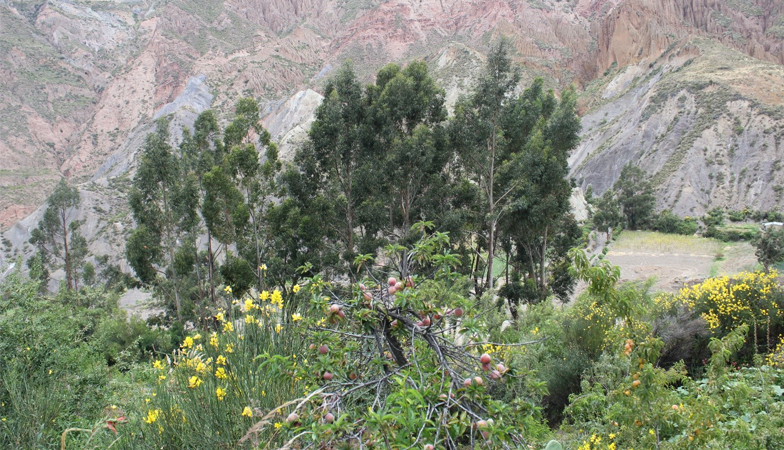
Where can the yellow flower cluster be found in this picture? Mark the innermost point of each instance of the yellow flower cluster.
(500, 352)
(595, 443)
(250, 320)
(730, 301)
(220, 393)
(277, 298)
(247, 412)
(152, 415)
(776, 357)
(194, 382)
(188, 342)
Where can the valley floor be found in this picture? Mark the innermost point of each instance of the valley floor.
(676, 260)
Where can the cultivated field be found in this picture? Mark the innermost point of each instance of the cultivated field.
(674, 260)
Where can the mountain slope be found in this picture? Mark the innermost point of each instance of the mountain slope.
(704, 120)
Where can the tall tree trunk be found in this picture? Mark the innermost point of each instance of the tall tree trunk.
(66, 253)
(542, 263)
(258, 250)
(211, 264)
(170, 244)
(199, 282)
(492, 220)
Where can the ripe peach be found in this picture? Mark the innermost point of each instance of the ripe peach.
(327, 376)
(329, 418)
(495, 374)
(459, 312)
(478, 380)
(334, 308)
(399, 286)
(391, 289)
(392, 281)
(467, 382)
(324, 349)
(501, 368)
(293, 417)
(429, 447)
(485, 358)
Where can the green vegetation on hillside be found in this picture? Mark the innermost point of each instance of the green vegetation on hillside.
(394, 287)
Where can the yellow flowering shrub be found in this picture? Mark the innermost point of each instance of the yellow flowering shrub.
(216, 387)
(753, 298)
(776, 357)
(726, 302)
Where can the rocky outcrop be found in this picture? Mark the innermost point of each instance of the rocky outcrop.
(103, 209)
(705, 122)
(641, 30)
(288, 123)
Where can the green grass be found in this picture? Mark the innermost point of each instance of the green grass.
(655, 242)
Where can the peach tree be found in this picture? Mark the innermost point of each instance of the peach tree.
(400, 362)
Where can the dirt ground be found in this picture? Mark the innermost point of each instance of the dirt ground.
(677, 260)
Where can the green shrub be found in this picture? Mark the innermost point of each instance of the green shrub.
(667, 222)
(738, 215)
(212, 390)
(714, 218)
(53, 374)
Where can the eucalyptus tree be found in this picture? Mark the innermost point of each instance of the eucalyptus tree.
(336, 150)
(157, 184)
(198, 152)
(542, 132)
(514, 148)
(407, 114)
(255, 175)
(478, 134)
(57, 236)
(635, 196)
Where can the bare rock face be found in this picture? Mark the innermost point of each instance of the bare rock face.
(288, 124)
(705, 121)
(103, 209)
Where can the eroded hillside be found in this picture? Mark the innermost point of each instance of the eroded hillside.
(704, 120)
